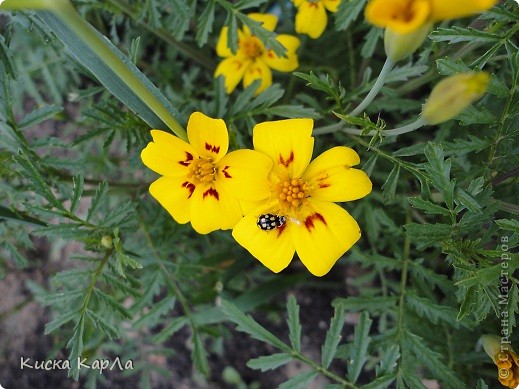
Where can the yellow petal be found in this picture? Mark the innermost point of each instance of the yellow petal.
(174, 195)
(208, 136)
(311, 19)
(268, 21)
(232, 69)
(212, 208)
(333, 179)
(167, 154)
(287, 142)
(222, 46)
(401, 16)
(288, 64)
(274, 248)
(447, 9)
(258, 70)
(324, 236)
(331, 5)
(244, 173)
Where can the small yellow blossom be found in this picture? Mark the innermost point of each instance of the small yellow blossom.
(505, 358)
(453, 94)
(301, 196)
(253, 61)
(201, 182)
(311, 18)
(408, 22)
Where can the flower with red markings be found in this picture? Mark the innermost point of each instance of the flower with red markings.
(304, 193)
(253, 61)
(201, 183)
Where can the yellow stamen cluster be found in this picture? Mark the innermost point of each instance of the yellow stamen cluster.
(202, 170)
(292, 193)
(508, 368)
(251, 47)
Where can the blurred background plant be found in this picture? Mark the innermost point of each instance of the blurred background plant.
(404, 308)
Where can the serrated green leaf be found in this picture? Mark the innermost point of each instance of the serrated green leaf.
(39, 115)
(412, 381)
(294, 326)
(114, 305)
(19, 216)
(467, 201)
(199, 355)
(244, 4)
(347, 13)
(432, 361)
(425, 308)
(247, 324)
(65, 298)
(359, 349)
(102, 324)
(38, 184)
(404, 73)
(473, 115)
(79, 182)
(157, 310)
(439, 169)
(269, 362)
(448, 67)
(508, 224)
(168, 331)
(389, 187)
(481, 384)
(427, 206)
(370, 42)
(388, 362)
(60, 321)
(99, 199)
(6, 60)
(300, 381)
(333, 337)
(382, 382)
(461, 34)
(268, 38)
(205, 23)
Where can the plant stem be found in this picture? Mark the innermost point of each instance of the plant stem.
(388, 66)
(420, 122)
(65, 11)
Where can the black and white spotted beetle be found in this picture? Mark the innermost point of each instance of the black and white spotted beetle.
(269, 221)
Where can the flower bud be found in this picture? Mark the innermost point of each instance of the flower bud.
(107, 242)
(506, 360)
(399, 46)
(453, 94)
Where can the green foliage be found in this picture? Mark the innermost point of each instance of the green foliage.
(437, 263)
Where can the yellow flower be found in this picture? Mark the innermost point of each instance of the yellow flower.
(408, 22)
(301, 197)
(200, 182)
(506, 360)
(253, 61)
(405, 16)
(453, 94)
(311, 16)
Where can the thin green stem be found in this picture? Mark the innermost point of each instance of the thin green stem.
(303, 358)
(418, 123)
(386, 69)
(65, 11)
(93, 281)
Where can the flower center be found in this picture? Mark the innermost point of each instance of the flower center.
(292, 195)
(202, 170)
(251, 46)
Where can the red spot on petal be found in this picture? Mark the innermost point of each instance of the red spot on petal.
(213, 149)
(225, 173)
(313, 5)
(309, 221)
(288, 161)
(187, 161)
(271, 54)
(211, 192)
(323, 185)
(190, 187)
(280, 229)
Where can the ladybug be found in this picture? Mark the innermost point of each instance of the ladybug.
(269, 221)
